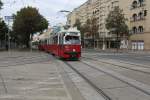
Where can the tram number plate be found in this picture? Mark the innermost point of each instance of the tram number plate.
(73, 55)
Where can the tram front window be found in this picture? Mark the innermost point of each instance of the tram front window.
(72, 40)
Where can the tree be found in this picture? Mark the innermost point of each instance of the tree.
(1, 4)
(77, 24)
(94, 28)
(28, 21)
(3, 26)
(79, 27)
(116, 23)
(3, 29)
(3, 32)
(90, 28)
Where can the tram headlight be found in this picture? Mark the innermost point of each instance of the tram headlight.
(66, 47)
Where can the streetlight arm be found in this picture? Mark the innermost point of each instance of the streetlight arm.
(64, 11)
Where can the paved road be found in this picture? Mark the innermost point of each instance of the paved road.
(137, 57)
(39, 76)
(133, 69)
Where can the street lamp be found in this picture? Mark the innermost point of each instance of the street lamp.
(64, 11)
(9, 19)
(103, 41)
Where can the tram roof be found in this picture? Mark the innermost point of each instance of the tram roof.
(72, 29)
(61, 29)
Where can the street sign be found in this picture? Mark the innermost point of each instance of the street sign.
(9, 18)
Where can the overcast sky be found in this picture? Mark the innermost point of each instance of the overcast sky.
(48, 8)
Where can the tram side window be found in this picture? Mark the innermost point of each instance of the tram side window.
(50, 40)
(45, 41)
(55, 39)
(42, 42)
(60, 39)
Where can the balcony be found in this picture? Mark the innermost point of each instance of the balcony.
(136, 5)
(137, 19)
(132, 32)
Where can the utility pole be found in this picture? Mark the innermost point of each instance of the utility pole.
(8, 19)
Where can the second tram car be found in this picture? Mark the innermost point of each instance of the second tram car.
(64, 44)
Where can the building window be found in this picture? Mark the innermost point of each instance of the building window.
(145, 12)
(135, 4)
(134, 30)
(140, 15)
(137, 45)
(134, 17)
(141, 29)
(141, 2)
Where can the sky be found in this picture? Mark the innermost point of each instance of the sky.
(48, 8)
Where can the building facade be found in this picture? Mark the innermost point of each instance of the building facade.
(139, 24)
(82, 13)
(136, 11)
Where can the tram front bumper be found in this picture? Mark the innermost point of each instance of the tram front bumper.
(73, 54)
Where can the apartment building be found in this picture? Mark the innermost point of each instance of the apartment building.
(82, 13)
(139, 24)
(136, 11)
(98, 9)
(71, 18)
(106, 39)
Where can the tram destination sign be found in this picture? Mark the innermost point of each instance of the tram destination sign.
(74, 33)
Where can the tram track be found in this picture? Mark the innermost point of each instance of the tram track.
(136, 58)
(114, 76)
(3, 83)
(126, 58)
(121, 66)
(126, 62)
(139, 86)
(100, 91)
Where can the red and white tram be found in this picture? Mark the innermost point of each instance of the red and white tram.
(64, 44)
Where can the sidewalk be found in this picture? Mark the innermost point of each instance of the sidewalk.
(36, 81)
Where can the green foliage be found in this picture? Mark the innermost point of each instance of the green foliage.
(94, 28)
(3, 26)
(77, 24)
(116, 22)
(91, 27)
(1, 4)
(79, 27)
(87, 26)
(3, 29)
(27, 22)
